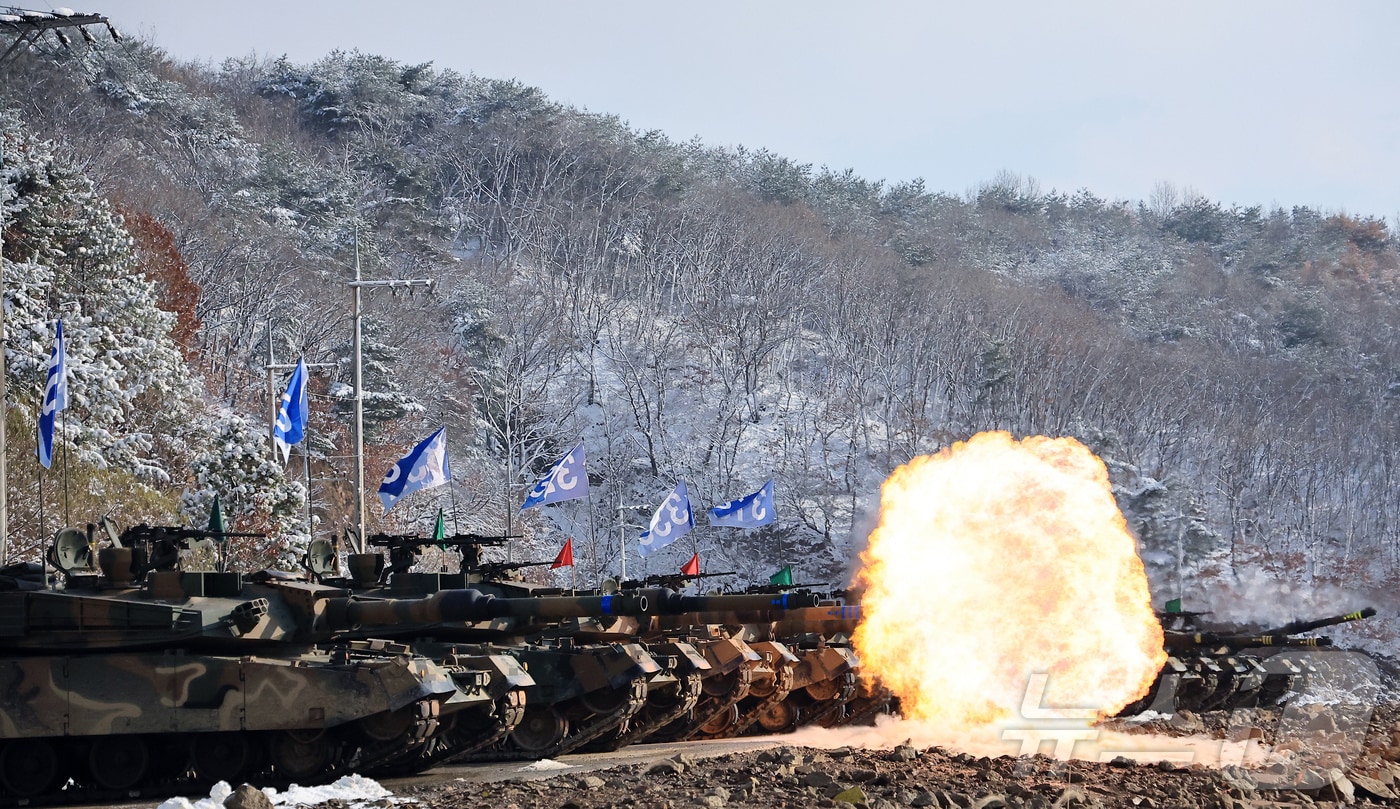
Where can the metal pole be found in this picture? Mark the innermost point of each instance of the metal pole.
(621, 534)
(272, 400)
(359, 410)
(4, 387)
(593, 541)
(4, 381)
(306, 464)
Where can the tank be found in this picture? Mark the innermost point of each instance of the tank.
(1223, 667)
(697, 673)
(131, 676)
(587, 682)
(799, 667)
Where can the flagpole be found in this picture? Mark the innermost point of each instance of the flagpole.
(621, 537)
(593, 539)
(508, 508)
(306, 464)
(67, 519)
(272, 403)
(357, 314)
(43, 528)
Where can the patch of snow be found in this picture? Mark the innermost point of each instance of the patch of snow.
(349, 788)
(217, 795)
(544, 765)
(1143, 718)
(355, 790)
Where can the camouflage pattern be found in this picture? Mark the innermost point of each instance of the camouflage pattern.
(138, 677)
(1225, 668)
(179, 692)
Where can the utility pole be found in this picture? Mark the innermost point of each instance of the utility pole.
(358, 316)
(28, 26)
(622, 526)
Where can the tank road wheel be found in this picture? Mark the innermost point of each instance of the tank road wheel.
(28, 767)
(780, 716)
(823, 690)
(833, 718)
(118, 762)
(721, 723)
(300, 754)
(222, 756)
(722, 685)
(539, 730)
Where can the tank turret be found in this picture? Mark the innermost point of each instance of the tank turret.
(1219, 666)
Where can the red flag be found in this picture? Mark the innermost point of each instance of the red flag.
(566, 555)
(691, 568)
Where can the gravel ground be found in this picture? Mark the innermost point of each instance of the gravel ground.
(796, 776)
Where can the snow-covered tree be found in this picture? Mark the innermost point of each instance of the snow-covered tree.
(239, 466)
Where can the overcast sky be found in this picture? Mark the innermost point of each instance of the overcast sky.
(1271, 103)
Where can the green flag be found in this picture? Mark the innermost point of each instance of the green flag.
(216, 518)
(1174, 605)
(439, 530)
(783, 578)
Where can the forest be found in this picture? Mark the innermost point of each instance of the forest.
(722, 316)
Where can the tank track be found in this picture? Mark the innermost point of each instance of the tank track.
(689, 689)
(863, 708)
(593, 729)
(347, 757)
(710, 708)
(782, 686)
(455, 744)
(834, 707)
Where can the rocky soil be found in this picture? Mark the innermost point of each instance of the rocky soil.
(906, 776)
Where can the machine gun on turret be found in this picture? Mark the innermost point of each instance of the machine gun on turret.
(157, 547)
(770, 589)
(497, 570)
(404, 549)
(670, 581)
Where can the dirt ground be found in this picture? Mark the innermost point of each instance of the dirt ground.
(1330, 773)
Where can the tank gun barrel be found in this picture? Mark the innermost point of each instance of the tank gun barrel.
(668, 602)
(1298, 627)
(1197, 640)
(473, 605)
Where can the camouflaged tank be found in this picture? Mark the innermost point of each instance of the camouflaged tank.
(807, 670)
(731, 670)
(135, 677)
(1224, 667)
(587, 684)
(601, 680)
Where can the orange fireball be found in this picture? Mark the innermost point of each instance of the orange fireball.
(1003, 581)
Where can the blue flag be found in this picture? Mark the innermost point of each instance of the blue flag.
(55, 395)
(746, 512)
(673, 519)
(423, 468)
(291, 417)
(566, 480)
